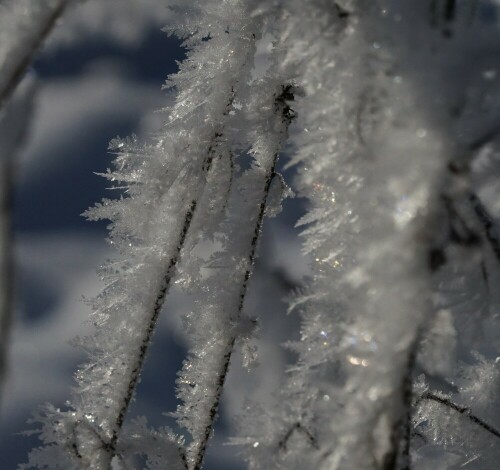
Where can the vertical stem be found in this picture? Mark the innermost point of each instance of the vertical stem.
(6, 264)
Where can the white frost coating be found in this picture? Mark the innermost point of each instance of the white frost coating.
(398, 157)
(23, 26)
(392, 158)
(163, 185)
(219, 321)
(14, 125)
(370, 165)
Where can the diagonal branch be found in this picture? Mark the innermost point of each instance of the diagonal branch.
(463, 410)
(169, 273)
(160, 299)
(284, 114)
(31, 38)
(488, 223)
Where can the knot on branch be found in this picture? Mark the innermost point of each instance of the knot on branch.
(282, 102)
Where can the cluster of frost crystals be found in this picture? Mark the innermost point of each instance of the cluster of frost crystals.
(382, 140)
(167, 197)
(23, 26)
(396, 144)
(218, 321)
(157, 447)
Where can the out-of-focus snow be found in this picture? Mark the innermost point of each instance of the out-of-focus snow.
(62, 265)
(121, 21)
(70, 110)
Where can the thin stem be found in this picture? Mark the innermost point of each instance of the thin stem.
(297, 427)
(467, 412)
(228, 350)
(286, 115)
(407, 402)
(160, 299)
(23, 60)
(158, 304)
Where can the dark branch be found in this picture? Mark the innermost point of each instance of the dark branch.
(405, 458)
(467, 412)
(297, 428)
(342, 13)
(284, 110)
(74, 443)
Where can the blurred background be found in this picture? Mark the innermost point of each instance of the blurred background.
(99, 76)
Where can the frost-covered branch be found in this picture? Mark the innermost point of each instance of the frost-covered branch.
(204, 374)
(6, 263)
(463, 410)
(24, 25)
(167, 188)
(372, 177)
